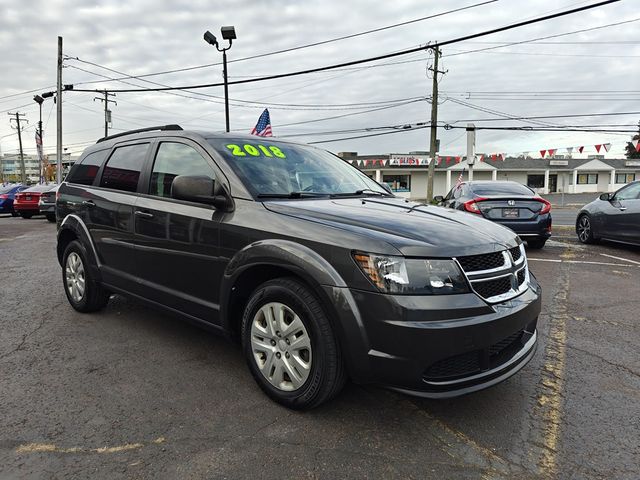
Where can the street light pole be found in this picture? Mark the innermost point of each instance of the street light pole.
(228, 33)
(38, 99)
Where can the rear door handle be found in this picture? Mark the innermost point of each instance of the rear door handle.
(89, 203)
(622, 209)
(142, 214)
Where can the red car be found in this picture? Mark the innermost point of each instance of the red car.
(26, 202)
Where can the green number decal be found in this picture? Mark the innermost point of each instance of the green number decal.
(251, 150)
(264, 150)
(277, 152)
(236, 150)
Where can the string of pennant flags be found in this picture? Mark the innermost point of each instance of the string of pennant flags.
(494, 157)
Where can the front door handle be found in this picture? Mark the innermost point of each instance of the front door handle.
(89, 203)
(622, 209)
(142, 214)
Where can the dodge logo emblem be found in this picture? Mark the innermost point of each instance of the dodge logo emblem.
(511, 203)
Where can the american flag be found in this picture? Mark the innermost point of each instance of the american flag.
(263, 127)
(459, 181)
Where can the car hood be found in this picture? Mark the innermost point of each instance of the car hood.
(412, 228)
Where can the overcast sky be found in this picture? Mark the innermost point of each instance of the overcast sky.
(588, 70)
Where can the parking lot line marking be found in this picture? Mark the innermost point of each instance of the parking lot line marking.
(555, 260)
(620, 258)
(49, 447)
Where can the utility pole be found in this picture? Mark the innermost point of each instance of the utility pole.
(18, 119)
(434, 122)
(59, 115)
(471, 148)
(107, 112)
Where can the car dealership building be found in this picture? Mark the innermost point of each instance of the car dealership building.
(406, 174)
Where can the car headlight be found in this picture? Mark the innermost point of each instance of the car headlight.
(412, 276)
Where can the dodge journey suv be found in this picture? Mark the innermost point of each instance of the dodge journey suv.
(315, 269)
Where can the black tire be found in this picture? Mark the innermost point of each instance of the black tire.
(584, 229)
(14, 213)
(26, 215)
(51, 217)
(536, 244)
(327, 374)
(95, 296)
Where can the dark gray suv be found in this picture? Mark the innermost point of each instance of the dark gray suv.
(317, 270)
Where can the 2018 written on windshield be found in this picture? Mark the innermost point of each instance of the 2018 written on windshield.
(255, 150)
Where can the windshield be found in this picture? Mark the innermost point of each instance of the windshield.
(501, 189)
(271, 169)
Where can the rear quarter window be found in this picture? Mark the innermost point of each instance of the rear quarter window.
(85, 171)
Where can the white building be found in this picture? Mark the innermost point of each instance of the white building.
(549, 175)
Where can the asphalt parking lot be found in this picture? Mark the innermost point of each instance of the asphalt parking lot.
(133, 393)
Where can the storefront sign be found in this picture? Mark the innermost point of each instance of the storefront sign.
(395, 159)
(559, 163)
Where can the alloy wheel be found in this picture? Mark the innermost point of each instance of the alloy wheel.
(75, 278)
(281, 346)
(584, 229)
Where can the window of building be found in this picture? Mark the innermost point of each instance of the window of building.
(625, 177)
(587, 179)
(175, 159)
(85, 172)
(122, 170)
(398, 183)
(535, 181)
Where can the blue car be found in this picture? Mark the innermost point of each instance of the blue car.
(7, 194)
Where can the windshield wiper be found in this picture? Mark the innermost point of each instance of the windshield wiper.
(291, 195)
(367, 191)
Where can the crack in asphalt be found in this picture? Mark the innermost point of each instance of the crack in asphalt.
(601, 358)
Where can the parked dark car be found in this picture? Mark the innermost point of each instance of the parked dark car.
(612, 216)
(26, 203)
(508, 203)
(7, 194)
(317, 270)
(47, 204)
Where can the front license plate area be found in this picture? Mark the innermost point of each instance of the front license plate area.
(510, 213)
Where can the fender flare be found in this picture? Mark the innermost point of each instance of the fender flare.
(75, 224)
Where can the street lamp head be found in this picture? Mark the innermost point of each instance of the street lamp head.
(228, 33)
(38, 99)
(210, 38)
(47, 95)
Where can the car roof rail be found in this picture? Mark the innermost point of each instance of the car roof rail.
(141, 130)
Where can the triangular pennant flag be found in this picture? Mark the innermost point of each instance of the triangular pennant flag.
(481, 158)
(598, 147)
(503, 156)
(552, 151)
(569, 150)
(543, 153)
(607, 146)
(526, 154)
(636, 145)
(580, 149)
(459, 158)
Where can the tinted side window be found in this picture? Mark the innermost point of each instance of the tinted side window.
(123, 167)
(175, 159)
(85, 172)
(632, 192)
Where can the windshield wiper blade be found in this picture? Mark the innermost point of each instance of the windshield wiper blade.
(291, 195)
(364, 191)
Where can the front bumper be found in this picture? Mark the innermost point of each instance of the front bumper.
(440, 346)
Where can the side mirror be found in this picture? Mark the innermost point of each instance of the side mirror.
(438, 199)
(386, 187)
(607, 197)
(197, 189)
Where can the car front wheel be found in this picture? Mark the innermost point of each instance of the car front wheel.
(84, 293)
(51, 217)
(26, 215)
(290, 345)
(585, 230)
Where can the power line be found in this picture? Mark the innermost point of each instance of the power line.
(371, 59)
(323, 42)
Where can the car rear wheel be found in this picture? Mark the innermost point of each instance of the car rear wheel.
(84, 293)
(290, 346)
(536, 244)
(51, 217)
(26, 215)
(585, 230)
(14, 213)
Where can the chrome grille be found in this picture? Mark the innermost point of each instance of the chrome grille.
(497, 276)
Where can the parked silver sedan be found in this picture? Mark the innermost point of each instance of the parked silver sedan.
(613, 216)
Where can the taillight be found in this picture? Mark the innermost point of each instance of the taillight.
(57, 195)
(546, 206)
(472, 205)
(4, 196)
